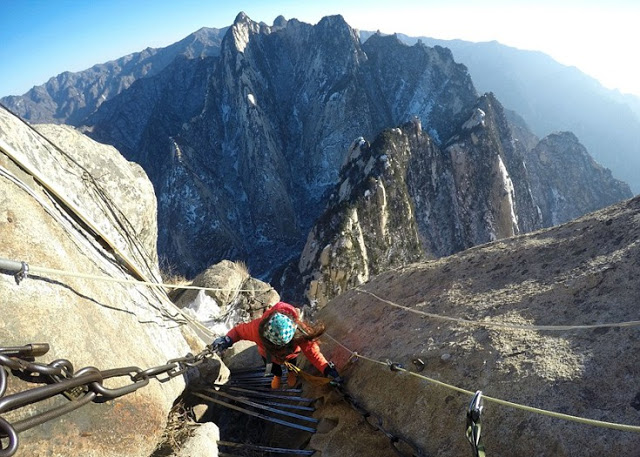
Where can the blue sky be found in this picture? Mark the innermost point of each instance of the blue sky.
(42, 38)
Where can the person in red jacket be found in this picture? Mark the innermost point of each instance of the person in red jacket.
(281, 335)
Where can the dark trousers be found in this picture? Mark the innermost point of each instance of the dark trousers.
(277, 369)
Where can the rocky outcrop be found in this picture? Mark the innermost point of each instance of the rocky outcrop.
(404, 198)
(560, 168)
(233, 296)
(80, 207)
(369, 225)
(579, 273)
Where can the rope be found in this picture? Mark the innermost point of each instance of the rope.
(531, 409)
(498, 324)
(11, 266)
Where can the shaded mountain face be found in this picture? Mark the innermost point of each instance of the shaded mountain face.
(404, 198)
(70, 98)
(551, 97)
(243, 147)
(566, 182)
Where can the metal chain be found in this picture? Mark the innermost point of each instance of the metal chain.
(80, 387)
(401, 446)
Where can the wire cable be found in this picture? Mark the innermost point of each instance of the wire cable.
(531, 409)
(500, 325)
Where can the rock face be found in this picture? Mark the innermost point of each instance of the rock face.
(242, 168)
(89, 322)
(560, 167)
(404, 198)
(582, 272)
(551, 97)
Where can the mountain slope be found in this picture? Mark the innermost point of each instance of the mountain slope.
(553, 97)
(247, 176)
(579, 273)
(70, 97)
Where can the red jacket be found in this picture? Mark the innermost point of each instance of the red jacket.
(249, 331)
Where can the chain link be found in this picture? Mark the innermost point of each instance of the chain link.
(401, 446)
(80, 387)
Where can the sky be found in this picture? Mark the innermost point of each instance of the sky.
(40, 39)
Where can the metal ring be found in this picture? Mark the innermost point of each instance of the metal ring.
(154, 371)
(3, 381)
(8, 430)
(65, 365)
(416, 452)
(377, 418)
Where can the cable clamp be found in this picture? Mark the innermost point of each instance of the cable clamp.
(22, 274)
(419, 364)
(473, 424)
(395, 366)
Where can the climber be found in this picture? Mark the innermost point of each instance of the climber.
(280, 335)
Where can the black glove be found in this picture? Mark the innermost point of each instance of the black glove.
(221, 343)
(330, 371)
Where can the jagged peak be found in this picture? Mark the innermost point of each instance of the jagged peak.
(242, 18)
(242, 29)
(335, 23)
(280, 22)
(384, 39)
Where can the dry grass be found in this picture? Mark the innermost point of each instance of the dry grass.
(179, 428)
(242, 267)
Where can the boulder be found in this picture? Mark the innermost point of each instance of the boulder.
(235, 296)
(203, 442)
(58, 210)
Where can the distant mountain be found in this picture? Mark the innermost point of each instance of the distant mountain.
(70, 98)
(404, 198)
(244, 139)
(243, 147)
(553, 97)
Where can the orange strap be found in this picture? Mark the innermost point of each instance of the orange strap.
(315, 380)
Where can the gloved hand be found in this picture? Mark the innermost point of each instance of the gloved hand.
(330, 371)
(221, 343)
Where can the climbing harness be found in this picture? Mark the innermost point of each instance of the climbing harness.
(80, 387)
(473, 425)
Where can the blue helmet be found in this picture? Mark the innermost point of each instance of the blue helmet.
(280, 329)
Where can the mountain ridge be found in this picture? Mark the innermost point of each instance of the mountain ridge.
(243, 147)
(554, 97)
